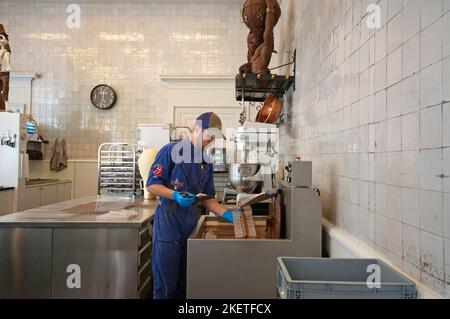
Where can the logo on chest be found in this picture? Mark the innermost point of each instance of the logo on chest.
(177, 184)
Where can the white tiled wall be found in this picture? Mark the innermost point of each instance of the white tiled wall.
(372, 112)
(127, 44)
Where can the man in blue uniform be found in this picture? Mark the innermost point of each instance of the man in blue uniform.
(180, 172)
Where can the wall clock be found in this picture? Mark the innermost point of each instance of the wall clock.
(103, 97)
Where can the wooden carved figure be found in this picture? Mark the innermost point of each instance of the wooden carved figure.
(5, 68)
(261, 17)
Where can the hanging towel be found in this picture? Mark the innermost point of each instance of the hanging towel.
(59, 158)
(65, 157)
(56, 153)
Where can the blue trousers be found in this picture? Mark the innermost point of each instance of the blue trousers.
(169, 262)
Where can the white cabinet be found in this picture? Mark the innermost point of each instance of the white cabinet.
(6, 202)
(48, 195)
(63, 192)
(43, 195)
(85, 179)
(32, 198)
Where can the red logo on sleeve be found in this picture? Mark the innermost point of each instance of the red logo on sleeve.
(158, 170)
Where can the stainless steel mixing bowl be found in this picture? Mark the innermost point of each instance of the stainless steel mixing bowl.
(237, 173)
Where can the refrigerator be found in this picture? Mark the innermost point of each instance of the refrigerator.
(154, 135)
(13, 153)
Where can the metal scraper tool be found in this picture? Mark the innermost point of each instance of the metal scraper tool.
(258, 199)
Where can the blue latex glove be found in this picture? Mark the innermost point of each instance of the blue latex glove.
(228, 215)
(184, 199)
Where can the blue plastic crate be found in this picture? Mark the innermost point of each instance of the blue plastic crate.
(316, 278)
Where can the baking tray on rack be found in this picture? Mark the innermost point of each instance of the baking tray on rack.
(117, 170)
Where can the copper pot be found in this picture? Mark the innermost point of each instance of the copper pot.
(271, 110)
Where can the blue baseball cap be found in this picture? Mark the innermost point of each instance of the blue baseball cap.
(209, 120)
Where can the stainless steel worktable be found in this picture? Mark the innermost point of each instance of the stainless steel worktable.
(51, 216)
(46, 253)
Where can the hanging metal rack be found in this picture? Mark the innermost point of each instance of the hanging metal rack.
(256, 87)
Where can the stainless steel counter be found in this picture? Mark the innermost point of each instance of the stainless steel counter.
(51, 216)
(38, 182)
(41, 248)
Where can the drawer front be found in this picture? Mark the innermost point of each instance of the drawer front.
(31, 198)
(64, 192)
(48, 195)
(6, 200)
(145, 273)
(145, 236)
(147, 223)
(146, 291)
(145, 255)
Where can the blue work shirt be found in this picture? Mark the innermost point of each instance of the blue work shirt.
(183, 172)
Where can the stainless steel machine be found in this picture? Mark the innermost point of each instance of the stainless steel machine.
(254, 159)
(220, 266)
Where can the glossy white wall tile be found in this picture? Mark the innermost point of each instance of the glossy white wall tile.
(431, 212)
(410, 131)
(411, 19)
(411, 245)
(411, 94)
(394, 67)
(127, 45)
(394, 169)
(394, 135)
(431, 127)
(447, 215)
(381, 105)
(431, 11)
(447, 267)
(433, 255)
(394, 202)
(446, 167)
(446, 35)
(410, 169)
(396, 81)
(411, 57)
(431, 169)
(394, 106)
(431, 44)
(431, 85)
(411, 206)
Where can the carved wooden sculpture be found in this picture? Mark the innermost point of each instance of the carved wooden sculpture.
(5, 68)
(261, 17)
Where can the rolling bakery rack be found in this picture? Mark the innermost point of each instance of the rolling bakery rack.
(117, 167)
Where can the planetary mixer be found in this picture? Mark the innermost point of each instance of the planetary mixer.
(254, 159)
